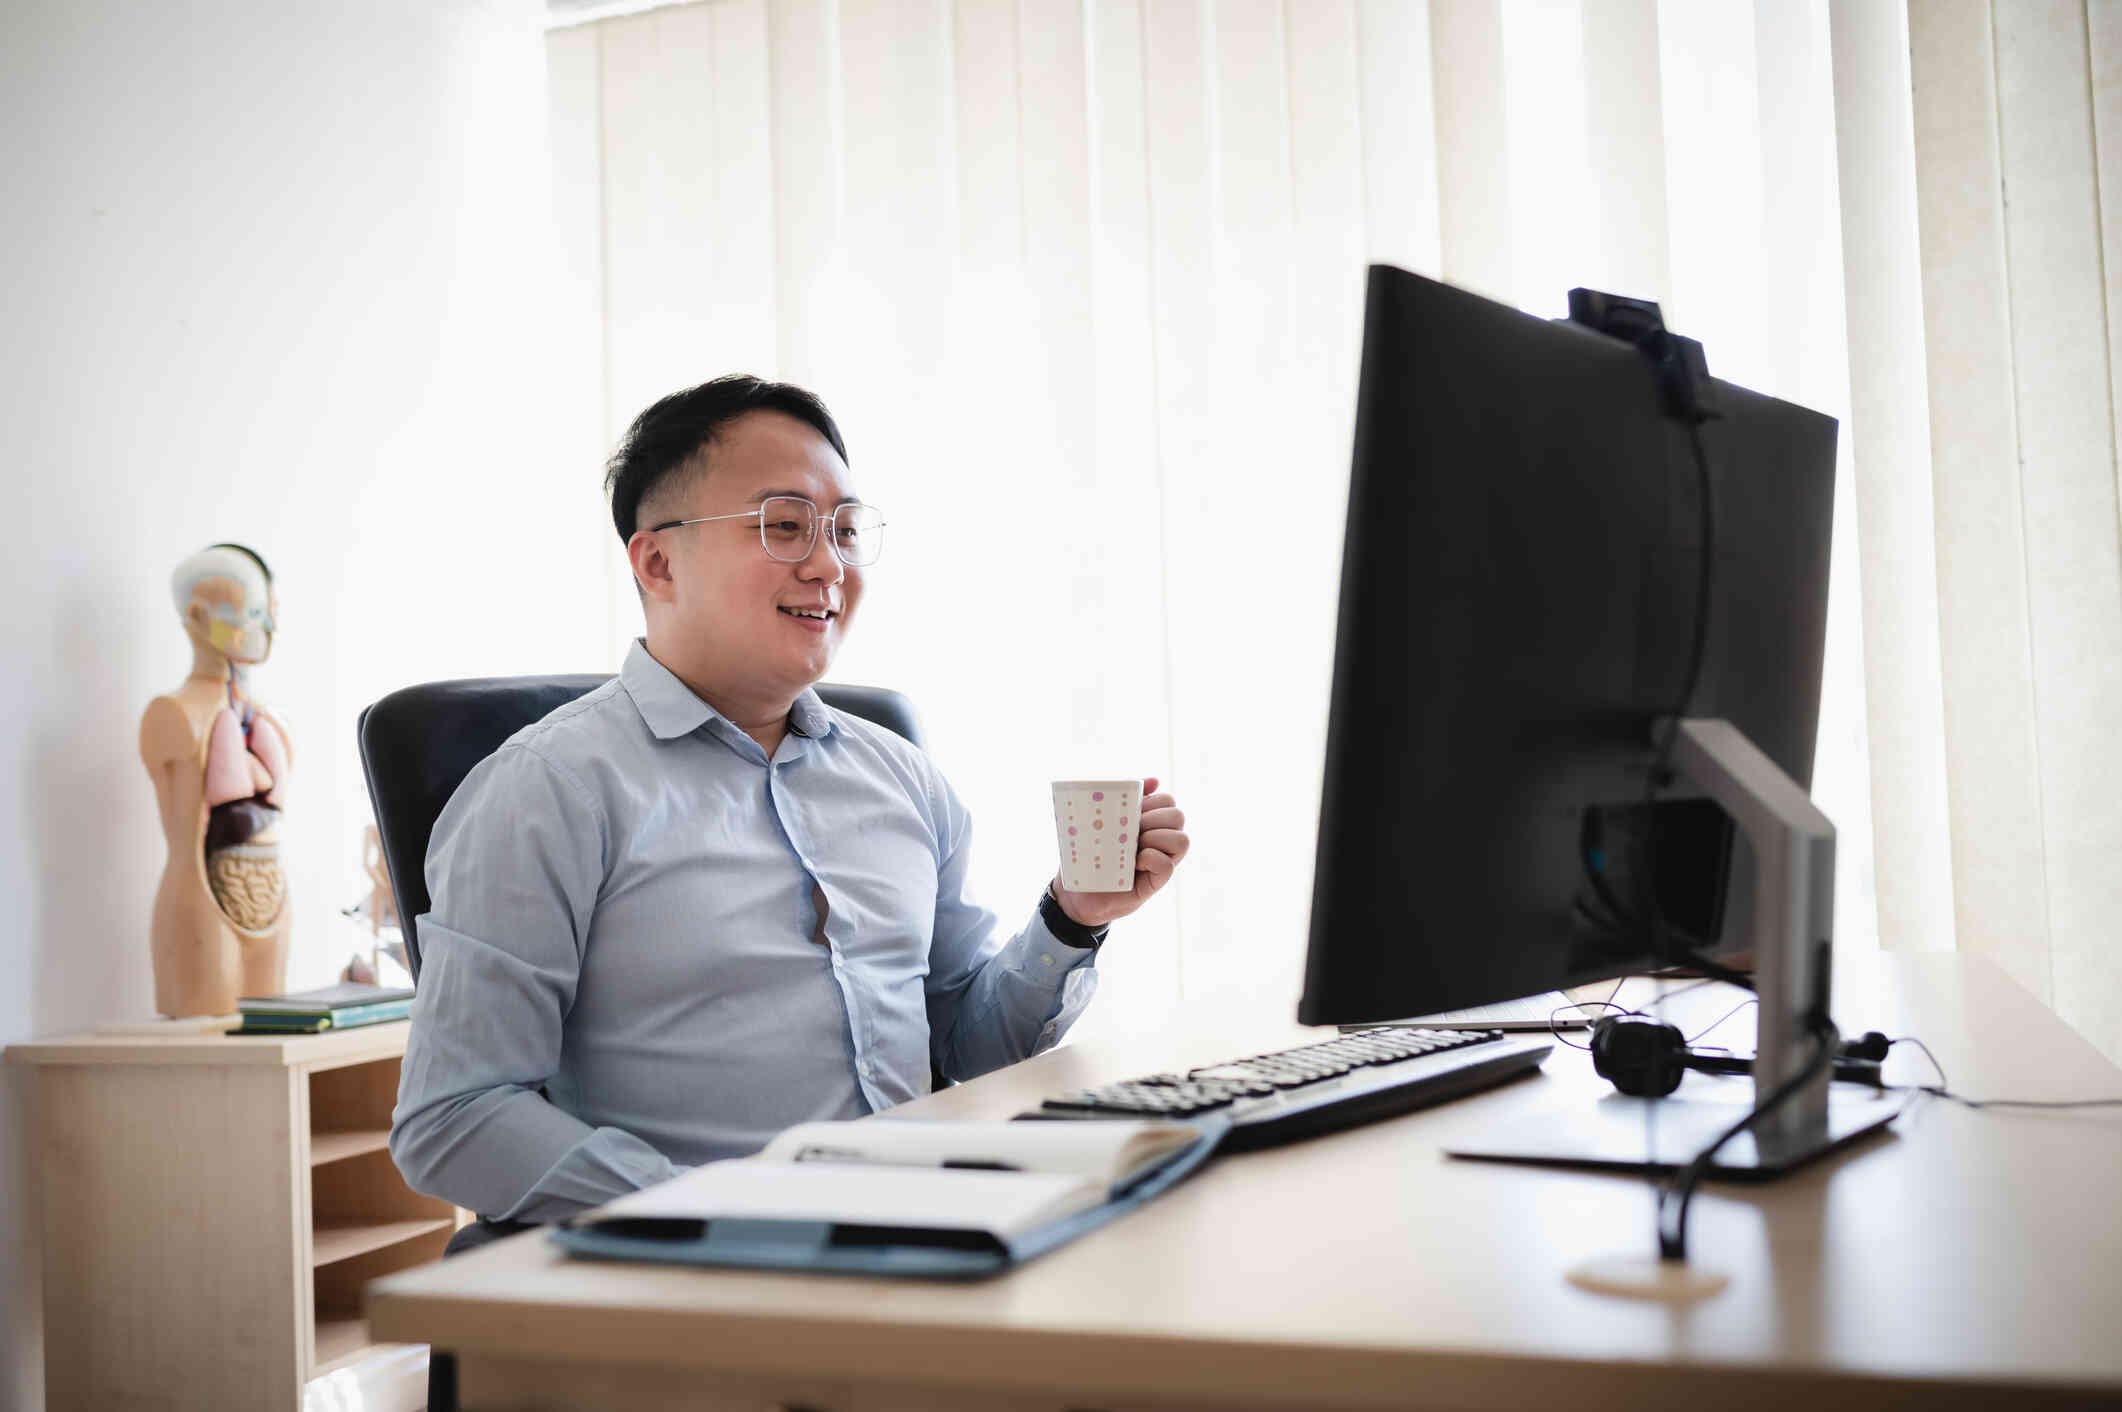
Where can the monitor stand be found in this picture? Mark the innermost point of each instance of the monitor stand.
(1622, 1134)
(1792, 927)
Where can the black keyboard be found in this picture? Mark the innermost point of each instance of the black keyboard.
(1317, 1088)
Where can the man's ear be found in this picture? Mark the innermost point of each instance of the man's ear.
(651, 566)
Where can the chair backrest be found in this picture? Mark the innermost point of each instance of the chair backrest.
(418, 744)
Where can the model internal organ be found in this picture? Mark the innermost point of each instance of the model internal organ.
(245, 761)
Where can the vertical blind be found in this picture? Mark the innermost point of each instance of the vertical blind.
(1082, 281)
(2017, 122)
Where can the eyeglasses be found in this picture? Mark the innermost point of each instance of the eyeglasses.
(788, 528)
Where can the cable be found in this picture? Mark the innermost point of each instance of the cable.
(1673, 973)
(1647, 910)
(1911, 1039)
(1941, 1090)
(1699, 648)
(1694, 1038)
(1673, 1245)
(2027, 1102)
(1646, 914)
(1674, 1197)
(1678, 1193)
(1673, 1200)
(1555, 1031)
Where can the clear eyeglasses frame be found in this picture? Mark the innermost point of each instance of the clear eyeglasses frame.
(788, 529)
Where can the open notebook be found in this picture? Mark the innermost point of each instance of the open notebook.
(904, 1196)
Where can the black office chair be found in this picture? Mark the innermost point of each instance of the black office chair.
(417, 745)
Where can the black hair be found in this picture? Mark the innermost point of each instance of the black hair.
(256, 557)
(672, 431)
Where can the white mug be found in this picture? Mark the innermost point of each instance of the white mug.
(1095, 825)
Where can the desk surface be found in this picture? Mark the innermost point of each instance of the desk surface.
(1366, 1269)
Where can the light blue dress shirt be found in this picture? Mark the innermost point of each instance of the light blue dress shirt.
(689, 947)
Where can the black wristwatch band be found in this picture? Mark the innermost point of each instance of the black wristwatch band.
(1067, 929)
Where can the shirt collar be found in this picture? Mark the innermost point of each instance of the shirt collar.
(670, 709)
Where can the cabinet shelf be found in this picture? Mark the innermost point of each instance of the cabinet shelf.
(334, 1146)
(338, 1340)
(330, 1244)
(343, 1341)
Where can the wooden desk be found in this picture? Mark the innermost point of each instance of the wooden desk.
(1967, 1258)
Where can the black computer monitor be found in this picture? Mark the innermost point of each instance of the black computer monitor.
(1519, 596)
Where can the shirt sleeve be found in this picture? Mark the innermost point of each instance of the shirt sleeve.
(989, 1003)
(513, 868)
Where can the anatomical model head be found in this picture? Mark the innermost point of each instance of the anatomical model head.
(224, 594)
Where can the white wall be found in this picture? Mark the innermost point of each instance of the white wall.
(273, 273)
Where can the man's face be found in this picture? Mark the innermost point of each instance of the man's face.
(732, 608)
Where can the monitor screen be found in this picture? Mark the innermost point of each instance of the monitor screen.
(1519, 593)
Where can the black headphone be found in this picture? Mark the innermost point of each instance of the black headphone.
(1646, 1057)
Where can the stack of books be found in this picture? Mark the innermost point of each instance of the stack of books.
(335, 1007)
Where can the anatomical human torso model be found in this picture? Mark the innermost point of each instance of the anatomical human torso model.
(220, 766)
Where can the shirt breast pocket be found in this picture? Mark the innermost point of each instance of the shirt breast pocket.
(887, 885)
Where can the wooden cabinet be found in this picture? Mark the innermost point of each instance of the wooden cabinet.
(212, 1208)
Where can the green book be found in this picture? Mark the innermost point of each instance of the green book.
(350, 1017)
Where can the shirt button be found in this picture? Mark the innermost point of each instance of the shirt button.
(869, 1070)
(837, 964)
(1046, 960)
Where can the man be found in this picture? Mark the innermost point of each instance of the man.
(697, 905)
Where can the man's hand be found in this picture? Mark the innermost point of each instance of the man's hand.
(1160, 842)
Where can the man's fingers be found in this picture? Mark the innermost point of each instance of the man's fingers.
(1172, 842)
(1166, 817)
(1155, 861)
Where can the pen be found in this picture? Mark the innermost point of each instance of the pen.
(816, 1153)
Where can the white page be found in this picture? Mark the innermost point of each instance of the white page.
(864, 1194)
(1111, 1150)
